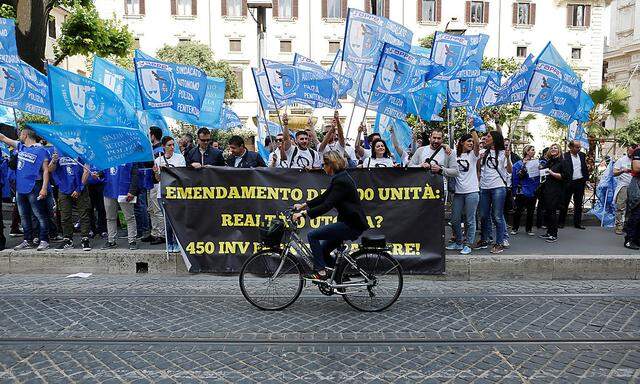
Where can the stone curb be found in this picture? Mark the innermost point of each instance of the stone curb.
(474, 267)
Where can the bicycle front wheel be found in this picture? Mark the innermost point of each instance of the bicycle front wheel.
(383, 277)
(270, 281)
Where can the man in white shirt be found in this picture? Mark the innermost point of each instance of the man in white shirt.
(576, 163)
(622, 172)
(298, 155)
(434, 157)
(333, 137)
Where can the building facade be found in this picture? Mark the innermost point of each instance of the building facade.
(315, 28)
(622, 54)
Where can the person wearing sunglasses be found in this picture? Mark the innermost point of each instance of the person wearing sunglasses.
(204, 154)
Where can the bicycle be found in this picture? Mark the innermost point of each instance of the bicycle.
(368, 279)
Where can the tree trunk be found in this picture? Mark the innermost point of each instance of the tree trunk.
(591, 154)
(32, 17)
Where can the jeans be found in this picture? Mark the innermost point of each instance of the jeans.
(467, 204)
(632, 225)
(325, 239)
(50, 213)
(142, 217)
(492, 208)
(29, 204)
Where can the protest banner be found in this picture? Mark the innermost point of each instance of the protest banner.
(216, 212)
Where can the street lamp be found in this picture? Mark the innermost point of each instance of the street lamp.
(261, 21)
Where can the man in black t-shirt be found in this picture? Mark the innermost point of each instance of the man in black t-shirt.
(632, 226)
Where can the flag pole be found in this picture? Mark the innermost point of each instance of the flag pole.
(261, 108)
(375, 76)
(350, 118)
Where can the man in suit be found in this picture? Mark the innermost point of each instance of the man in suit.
(204, 154)
(241, 157)
(576, 163)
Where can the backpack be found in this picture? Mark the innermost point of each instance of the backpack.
(295, 152)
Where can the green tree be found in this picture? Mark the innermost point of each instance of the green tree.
(630, 134)
(609, 102)
(32, 17)
(85, 33)
(199, 55)
(7, 11)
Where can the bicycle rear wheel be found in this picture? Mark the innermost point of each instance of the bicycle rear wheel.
(385, 281)
(270, 281)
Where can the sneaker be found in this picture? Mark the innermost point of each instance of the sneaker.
(497, 248)
(551, 239)
(146, 239)
(36, 241)
(133, 246)
(66, 244)
(104, 235)
(43, 246)
(158, 240)
(531, 233)
(454, 247)
(619, 231)
(317, 276)
(506, 244)
(57, 239)
(514, 232)
(481, 244)
(86, 244)
(24, 245)
(91, 234)
(631, 245)
(17, 233)
(545, 236)
(109, 245)
(465, 250)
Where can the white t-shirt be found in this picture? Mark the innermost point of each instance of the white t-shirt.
(424, 153)
(298, 158)
(493, 172)
(625, 178)
(577, 167)
(335, 146)
(467, 179)
(380, 162)
(177, 160)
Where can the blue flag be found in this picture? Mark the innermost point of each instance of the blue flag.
(401, 72)
(342, 83)
(7, 116)
(477, 123)
(460, 55)
(98, 145)
(365, 35)
(118, 80)
(401, 130)
(168, 85)
(229, 119)
(262, 87)
(24, 88)
(605, 208)
(576, 131)
(429, 101)
(462, 92)
(76, 99)
(8, 48)
(211, 111)
(554, 89)
(512, 91)
(266, 128)
(289, 85)
(584, 107)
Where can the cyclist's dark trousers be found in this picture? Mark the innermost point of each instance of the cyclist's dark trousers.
(325, 239)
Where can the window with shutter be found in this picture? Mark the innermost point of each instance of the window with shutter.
(476, 12)
(285, 10)
(132, 7)
(577, 15)
(427, 9)
(286, 46)
(438, 10)
(235, 45)
(523, 13)
(184, 8)
(52, 28)
(334, 9)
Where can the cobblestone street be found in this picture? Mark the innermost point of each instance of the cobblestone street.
(200, 329)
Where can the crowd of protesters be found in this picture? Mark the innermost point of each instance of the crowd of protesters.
(489, 186)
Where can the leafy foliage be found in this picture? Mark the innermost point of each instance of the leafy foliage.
(7, 11)
(29, 118)
(630, 134)
(427, 41)
(199, 55)
(85, 33)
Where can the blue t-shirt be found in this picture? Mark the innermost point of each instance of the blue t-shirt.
(92, 180)
(29, 168)
(68, 175)
(117, 181)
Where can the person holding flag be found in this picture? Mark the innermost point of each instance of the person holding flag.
(298, 155)
(32, 184)
(436, 157)
(333, 139)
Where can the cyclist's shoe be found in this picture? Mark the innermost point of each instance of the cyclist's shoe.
(317, 276)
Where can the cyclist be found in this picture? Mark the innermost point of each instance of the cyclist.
(342, 194)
